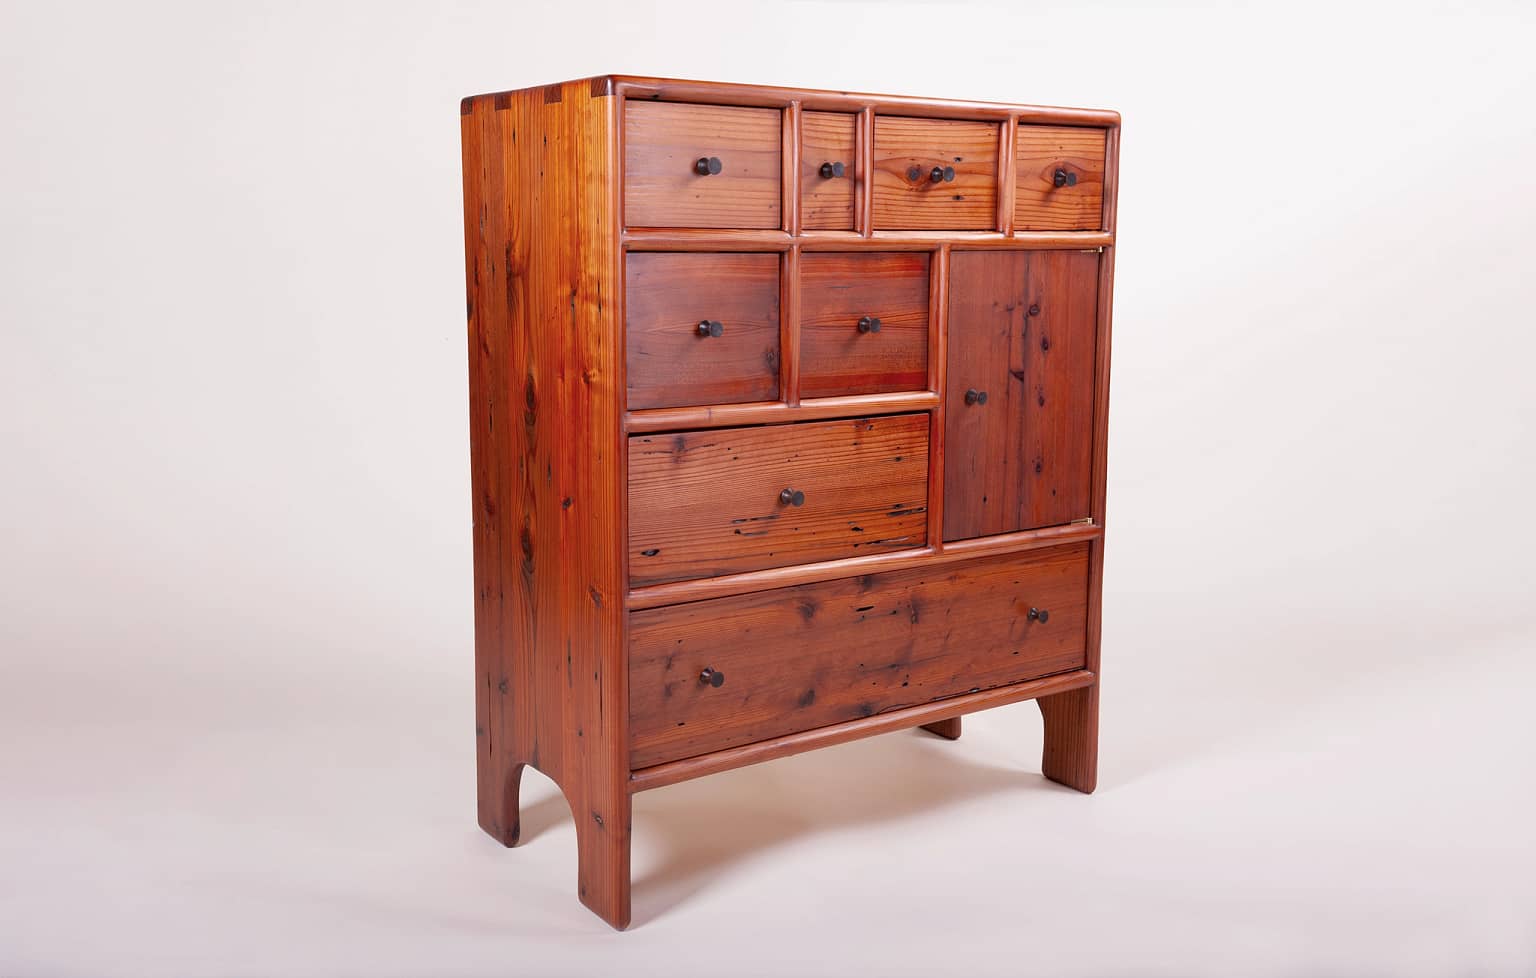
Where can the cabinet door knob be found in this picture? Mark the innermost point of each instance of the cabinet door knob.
(712, 677)
(942, 174)
(706, 166)
(1040, 615)
(1063, 178)
(830, 170)
(792, 497)
(869, 324)
(974, 396)
(711, 327)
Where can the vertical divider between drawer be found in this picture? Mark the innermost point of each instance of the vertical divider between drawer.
(938, 342)
(789, 326)
(864, 202)
(1006, 184)
(790, 183)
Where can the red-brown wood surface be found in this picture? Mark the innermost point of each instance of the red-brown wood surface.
(1041, 205)
(663, 141)
(840, 289)
(670, 363)
(907, 151)
(706, 503)
(846, 649)
(826, 201)
(1022, 329)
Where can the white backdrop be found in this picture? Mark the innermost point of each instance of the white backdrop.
(235, 716)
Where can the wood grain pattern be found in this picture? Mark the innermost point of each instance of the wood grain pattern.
(827, 203)
(1070, 751)
(904, 146)
(777, 412)
(706, 503)
(1022, 329)
(1040, 205)
(847, 649)
(663, 140)
(669, 364)
(540, 207)
(837, 289)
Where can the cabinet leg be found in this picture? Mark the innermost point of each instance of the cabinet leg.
(948, 729)
(602, 844)
(1071, 753)
(498, 808)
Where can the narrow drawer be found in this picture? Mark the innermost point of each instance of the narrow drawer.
(863, 323)
(701, 166)
(798, 658)
(701, 329)
(936, 174)
(1059, 179)
(706, 503)
(828, 172)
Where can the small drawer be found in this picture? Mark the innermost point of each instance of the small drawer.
(792, 659)
(701, 166)
(828, 173)
(938, 174)
(863, 323)
(723, 501)
(1059, 179)
(701, 329)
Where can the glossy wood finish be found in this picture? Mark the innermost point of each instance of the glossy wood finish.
(1041, 205)
(663, 141)
(669, 362)
(838, 290)
(1022, 330)
(907, 150)
(778, 412)
(707, 503)
(1070, 750)
(827, 201)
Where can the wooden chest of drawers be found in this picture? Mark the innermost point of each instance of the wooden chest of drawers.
(787, 427)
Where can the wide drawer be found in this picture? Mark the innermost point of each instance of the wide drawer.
(701, 329)
(863, 323)
(1058, 179)
(723, 501)
(935, 174)
(803, 657)
(701, 166)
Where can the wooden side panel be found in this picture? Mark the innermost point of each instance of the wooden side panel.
(541, 247)
(706, 503)
(907, 151)
(819, 654)
(663, 141)
(669, 362)
(1078, 203)
(838, 289)
(826, 202)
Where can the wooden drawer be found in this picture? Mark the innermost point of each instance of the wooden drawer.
(827, 144)
(670, 360)
(863, 323)
(908, 151)
(1059, 179)
(706, 503)
(798, 658)
(663, 144)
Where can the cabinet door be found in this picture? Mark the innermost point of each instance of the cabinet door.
(1018, 415)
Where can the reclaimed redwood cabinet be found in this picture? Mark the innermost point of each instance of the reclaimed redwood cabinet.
(787, 427)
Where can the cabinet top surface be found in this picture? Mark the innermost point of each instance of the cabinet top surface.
(686, 90)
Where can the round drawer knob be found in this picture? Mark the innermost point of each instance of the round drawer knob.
(792, 497)
(712, 677)
(711, 327)
(830, 170)
(1040, 615)
(869, 324)
(942, 174)
(707, 166)
(1063, 178)
(974, 396)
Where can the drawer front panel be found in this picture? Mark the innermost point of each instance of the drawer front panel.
(670, 360)
(707, 503)
(906, 195)
(888, 294)
(663, 188)
(827, 141)
(798, 658)
(1059, 179)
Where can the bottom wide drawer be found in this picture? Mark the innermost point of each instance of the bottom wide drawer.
(735, 670)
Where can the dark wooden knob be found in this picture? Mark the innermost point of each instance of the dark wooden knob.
(869, 324)
(1040, 615)
(1063, 178)
(712, 677)
(830, 170)
(706, 166)
(711, 327)
(942, 174)
(974, 396)
(792, 497)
